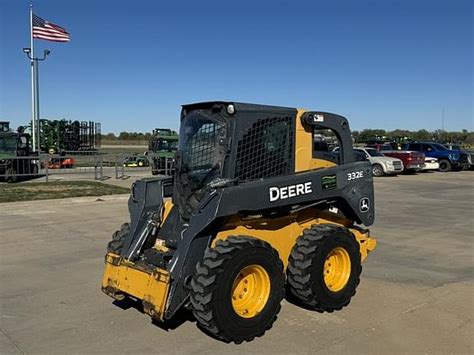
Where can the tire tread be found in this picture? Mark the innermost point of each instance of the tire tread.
(203, 284)
(301, 261)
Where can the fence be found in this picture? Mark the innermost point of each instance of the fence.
(81, 165)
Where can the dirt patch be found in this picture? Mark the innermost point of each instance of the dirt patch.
(55, 190)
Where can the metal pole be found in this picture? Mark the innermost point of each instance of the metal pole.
(33, 94)
(116, 166)
(101, 167)
(46, 166)
(442, 119)
(37, 106)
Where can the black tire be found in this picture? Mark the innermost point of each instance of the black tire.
(212, 288)
(116, 244)
(11, 175)
(377, 170)
(306, 267)
(445, 165)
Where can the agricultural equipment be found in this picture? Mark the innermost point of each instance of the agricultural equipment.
(64, 135)
(16, 156)
(163, 145)
(61, 163)
(135, 161)
(252, 210)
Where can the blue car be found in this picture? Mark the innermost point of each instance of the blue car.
(448, 159)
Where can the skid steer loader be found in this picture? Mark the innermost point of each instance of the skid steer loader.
(252, 212)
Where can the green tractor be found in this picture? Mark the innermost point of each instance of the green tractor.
(162, 146)
(16, 155)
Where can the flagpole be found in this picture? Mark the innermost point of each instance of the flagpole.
(33, 88)
(38, 138)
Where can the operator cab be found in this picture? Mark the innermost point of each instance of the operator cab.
(16, 144)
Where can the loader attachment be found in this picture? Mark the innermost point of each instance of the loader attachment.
(125, 274)
(145, 206)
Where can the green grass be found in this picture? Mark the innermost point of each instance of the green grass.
(55, 190)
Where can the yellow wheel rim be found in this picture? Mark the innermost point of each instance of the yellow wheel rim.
(337, 269)
(250, 291)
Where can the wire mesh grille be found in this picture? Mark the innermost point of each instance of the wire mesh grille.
(201, 146)
(266, 149)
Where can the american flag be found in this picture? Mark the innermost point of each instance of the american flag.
(43, 29)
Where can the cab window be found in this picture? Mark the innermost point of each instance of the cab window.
(427, 148)
(416, 147)
(324, 143)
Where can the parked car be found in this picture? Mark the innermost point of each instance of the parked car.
(431, 164)
(381, 165)
(412, 161)
(448, 159)
(470, 153)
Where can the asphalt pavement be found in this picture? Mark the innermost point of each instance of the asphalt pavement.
(416, 294)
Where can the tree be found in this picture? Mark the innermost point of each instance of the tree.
(124, 136)
(422, 135)
(372, 134)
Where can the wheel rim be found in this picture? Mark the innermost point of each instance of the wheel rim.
(376, 170)
(250, 291)
(337, 269)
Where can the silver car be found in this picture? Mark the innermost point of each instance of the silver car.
(381, 165)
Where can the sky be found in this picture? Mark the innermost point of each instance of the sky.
(131, 64)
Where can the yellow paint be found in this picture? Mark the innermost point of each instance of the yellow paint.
(337, 269)
(250, 291)
(367, 244)
(304, 148)
(148, 286)
(167, 206)
(282, 233)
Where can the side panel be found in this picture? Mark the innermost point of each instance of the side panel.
(349, 185)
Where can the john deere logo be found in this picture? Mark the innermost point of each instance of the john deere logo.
(282, 193)
(364, 205)
(329, 182)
